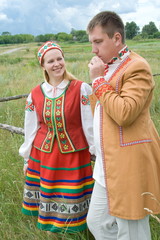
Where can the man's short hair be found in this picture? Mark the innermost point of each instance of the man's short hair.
(110, 23)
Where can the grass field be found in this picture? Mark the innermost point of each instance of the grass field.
(19, 72)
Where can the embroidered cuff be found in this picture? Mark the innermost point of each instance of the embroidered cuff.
(97, 79)
(100, 86)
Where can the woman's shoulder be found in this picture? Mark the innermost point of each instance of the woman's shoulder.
(81, 83)
(37, 87)
(85, 87)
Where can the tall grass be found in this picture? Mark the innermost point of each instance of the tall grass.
(19, 72)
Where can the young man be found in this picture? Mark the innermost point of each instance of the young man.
(127, 143)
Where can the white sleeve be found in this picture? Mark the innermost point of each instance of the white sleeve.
(86, 116)
(31, 126)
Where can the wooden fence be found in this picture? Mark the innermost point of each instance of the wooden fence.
(10, 128)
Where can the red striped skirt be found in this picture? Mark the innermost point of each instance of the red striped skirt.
(58, 188)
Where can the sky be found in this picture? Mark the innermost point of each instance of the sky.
(41, 16)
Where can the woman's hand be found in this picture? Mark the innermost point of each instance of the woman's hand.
(25, 169)
(93, 158)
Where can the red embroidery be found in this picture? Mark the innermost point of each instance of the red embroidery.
(106, 69)
(63, 138)
(47, 113)
(29, 106)
(85, 100)
(98, 82)
(100, 86)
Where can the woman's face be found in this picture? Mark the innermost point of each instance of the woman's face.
(54, 64)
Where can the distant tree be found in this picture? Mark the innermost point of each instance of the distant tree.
(79, 35)
(149, 29)
(22, 38)
(62, 36)
(18, 38)
(84, 38)
(6, 33)
(6, 39)
(157, 35)
(27, 38)
(45, 37)
(40, 38)
(131, 30)
(49, 37)
(73, 32)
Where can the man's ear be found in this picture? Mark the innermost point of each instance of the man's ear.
(117, 39)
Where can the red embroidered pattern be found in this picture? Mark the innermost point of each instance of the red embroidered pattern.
(47, 113)
(62, 136)
(47, 46)
(106, 69)
(85, 100)
(29, 106)
(100, 86)
(123, 52)
(97, 82)
(103, 89)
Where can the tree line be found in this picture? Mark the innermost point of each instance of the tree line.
(132, 31)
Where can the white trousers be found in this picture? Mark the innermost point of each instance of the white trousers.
(106, 227)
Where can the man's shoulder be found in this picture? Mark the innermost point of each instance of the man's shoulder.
(137, 65)
(135, 56)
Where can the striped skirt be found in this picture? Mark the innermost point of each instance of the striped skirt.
(58, 188)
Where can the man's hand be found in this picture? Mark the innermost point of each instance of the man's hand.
(96, 67)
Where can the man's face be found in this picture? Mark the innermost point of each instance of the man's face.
(103, 46)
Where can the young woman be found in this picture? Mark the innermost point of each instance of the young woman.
(58, 146)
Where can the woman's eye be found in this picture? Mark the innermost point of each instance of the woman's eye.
(51, 61)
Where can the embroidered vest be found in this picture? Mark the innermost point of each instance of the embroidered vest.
(61, 118)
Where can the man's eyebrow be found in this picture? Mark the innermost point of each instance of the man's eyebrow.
(97, 39)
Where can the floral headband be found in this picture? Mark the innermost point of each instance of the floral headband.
(46, 47)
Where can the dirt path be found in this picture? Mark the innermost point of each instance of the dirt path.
(11, 50)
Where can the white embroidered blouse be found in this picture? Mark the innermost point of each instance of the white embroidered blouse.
(31, 124)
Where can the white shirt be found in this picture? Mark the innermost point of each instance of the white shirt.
(31, 124)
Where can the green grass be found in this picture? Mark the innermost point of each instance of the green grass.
(19, 72)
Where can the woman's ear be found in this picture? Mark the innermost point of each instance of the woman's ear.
(42, 66)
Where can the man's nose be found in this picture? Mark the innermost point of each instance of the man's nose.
(94, 50)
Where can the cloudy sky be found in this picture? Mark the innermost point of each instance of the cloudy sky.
(42, 16)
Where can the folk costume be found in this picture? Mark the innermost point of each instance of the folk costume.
(127, 147)
(57, 148)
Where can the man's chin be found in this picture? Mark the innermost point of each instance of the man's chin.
(103, 60)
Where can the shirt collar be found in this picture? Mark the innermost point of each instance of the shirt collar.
(122, 54)
(62, 85)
